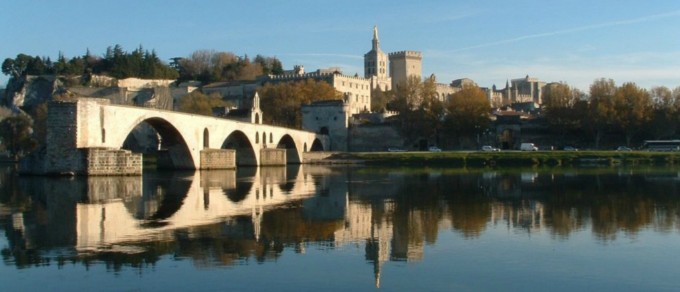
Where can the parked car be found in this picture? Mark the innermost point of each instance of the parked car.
(434, 149)
(528, 147)
(488, 148)
(570, 148)
(623, 148)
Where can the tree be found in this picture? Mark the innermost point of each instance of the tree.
(467, 112)
(420, 110)
(39, 115)
(665, 104)
(633, 109)
(559, 104)
(601, 112)
(379, 99)
(15, 132)
(281, 102)
(198, 103)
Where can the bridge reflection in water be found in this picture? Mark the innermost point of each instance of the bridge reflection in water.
(120, 209)
(226, 217)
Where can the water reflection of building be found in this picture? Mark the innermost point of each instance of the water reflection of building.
(529, 215)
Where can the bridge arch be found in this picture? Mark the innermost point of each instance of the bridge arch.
(173, 151)
(316, 145)
(245, 154)
(292, 156)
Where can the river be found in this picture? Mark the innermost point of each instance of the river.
(344, 228)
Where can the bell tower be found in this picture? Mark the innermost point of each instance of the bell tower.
(375, 65)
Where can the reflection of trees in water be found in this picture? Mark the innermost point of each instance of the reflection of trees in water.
(416, 204)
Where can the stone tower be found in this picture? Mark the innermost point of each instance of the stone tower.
(375, 65)
(404, 64)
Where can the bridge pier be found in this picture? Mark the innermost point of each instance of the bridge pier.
(272, 157)
(218, 159)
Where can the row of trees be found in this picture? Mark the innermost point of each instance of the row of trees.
(210, 66)
(203, 65)
(627, 110)
(281, 102)
(116, 63)
(423, 115)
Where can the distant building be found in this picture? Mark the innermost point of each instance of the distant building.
(329, 118)
(520, 90)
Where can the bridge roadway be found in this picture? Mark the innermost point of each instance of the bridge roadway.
(90, 123)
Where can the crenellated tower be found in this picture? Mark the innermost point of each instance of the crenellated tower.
(405, 64)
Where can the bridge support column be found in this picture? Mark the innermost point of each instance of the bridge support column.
(98, 161)
(272, 157)
(218, 159)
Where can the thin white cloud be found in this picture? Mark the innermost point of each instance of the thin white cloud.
(346, 56)
(648, 18)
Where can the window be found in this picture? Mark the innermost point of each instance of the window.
(257, 137)
(206, 138)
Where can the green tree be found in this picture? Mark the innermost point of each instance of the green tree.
(16, 135)
(198, 103)
(467, 113)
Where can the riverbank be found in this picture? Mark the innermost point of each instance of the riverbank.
(503, 158)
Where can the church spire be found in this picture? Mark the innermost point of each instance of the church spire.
(376, 42)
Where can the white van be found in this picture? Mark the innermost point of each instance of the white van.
(528, 147)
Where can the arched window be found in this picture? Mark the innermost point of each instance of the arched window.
(257, 137)
(271, 138)
(257, 118)
(206, 139)
(264, 138)
(103, 135)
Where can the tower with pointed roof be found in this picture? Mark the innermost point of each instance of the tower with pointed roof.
(375, 65)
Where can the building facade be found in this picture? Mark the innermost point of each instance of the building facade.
(520, 90)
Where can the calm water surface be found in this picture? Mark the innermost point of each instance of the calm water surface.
(333, 229)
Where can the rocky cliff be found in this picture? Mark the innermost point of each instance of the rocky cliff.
(28, 91)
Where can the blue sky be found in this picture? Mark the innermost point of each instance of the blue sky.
(489, 41)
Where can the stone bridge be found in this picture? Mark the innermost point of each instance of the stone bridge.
(85, 136)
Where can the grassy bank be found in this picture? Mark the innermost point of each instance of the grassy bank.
(518, 158)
